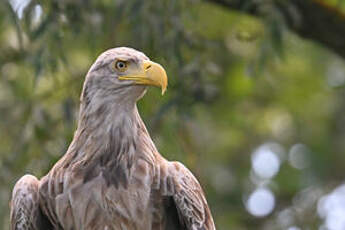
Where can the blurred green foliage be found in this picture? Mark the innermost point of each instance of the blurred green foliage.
(235, 83)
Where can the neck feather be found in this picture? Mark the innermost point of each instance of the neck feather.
(109, 137)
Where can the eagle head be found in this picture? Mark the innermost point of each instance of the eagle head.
(122, 74)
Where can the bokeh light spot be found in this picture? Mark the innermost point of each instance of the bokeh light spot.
(298, 156)
(261, 202)
(335, 74)
(265, 162)
(19, 6)
(294, 228)
(332, 209)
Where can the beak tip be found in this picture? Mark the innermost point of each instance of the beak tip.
(163, 91)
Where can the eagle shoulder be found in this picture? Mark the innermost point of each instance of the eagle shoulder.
(25, 208)
(189, 199)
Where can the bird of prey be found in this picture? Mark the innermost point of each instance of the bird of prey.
(112, 177)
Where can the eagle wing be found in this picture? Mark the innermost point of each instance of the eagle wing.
(25, 210)
(189, 199)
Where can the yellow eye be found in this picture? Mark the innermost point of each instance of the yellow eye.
(120, 65)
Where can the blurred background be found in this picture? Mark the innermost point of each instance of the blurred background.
(255, 105)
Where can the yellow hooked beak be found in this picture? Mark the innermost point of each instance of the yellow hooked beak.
(151, 73)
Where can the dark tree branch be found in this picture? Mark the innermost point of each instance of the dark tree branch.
(311, 19)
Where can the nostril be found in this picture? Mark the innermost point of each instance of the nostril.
(148, 67)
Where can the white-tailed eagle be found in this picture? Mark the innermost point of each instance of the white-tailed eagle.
(112, 177)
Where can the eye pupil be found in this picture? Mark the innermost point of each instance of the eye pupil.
(120, 65)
